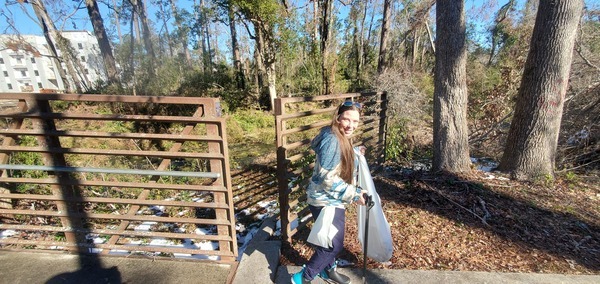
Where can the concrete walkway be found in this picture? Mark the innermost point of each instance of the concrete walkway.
(36, 267)
(258, 265)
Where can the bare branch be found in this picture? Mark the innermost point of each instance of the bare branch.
(587, 61)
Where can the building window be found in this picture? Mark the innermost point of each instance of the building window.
(40, 85)
(32, 60)
(9, 86)
(87, 72)
(5, 73)
(24, 73)
(19, 60)
(80, 45)
(83, 59)
(37, 73)
(1, 60)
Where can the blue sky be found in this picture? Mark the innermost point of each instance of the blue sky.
(78, 18)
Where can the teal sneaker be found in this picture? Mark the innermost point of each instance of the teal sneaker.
(332, 276)
(298, 278)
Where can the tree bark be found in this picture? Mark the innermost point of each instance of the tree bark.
(49, 34)
(117, 21)
(202, 34)
(105, 50)
(140, 11)
(183, 34)
(237, 61)
(328, 61)
(530, 150)
(163, 17)
(385, 26)
(63, 45)
(450, 131)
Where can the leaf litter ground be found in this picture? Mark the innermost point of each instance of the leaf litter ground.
(478, 222)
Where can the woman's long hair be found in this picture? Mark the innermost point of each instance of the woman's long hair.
(347, 153)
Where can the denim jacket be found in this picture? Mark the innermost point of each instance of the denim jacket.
(326, 187)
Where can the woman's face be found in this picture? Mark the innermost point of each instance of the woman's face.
(348, 121)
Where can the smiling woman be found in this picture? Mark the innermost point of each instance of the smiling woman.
(330, 189)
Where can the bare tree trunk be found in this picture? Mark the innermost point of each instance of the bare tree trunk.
(117, 21)
(353, 19)
(530, 150)
(416, 43)
(327, 65)
(49, 33)
(208, 46)
(205, 52)
(237, 62)
(260, 62)
(316, 16)
(136, 23)
(62, 43)
(271, 81)
(367, 46)
(430, 36)
(360, 39)
(132, 52)
(183, 38)
(385, 26)
(140, 10)
(163, 16)
(450, 131)
(105, 50)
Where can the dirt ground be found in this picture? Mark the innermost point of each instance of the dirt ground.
(479, 222)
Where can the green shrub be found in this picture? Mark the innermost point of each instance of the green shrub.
(252, 120)
(397, 146)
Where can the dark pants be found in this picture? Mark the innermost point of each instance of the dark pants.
(324, 258)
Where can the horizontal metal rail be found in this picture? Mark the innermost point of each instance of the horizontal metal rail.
(112, 152)
(141, 218)
(125, 247)
(115, 117)
(109, 171)
(143, 234)
(147, 202)
(95, 134)
(115, 184)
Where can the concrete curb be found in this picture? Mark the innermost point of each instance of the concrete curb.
(260, 261)
(385, 276)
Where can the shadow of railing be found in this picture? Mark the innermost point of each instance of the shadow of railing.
(520, 221)
(253, 185)
(73, 204)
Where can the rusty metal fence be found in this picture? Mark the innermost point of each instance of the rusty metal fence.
(114, 174)
(297, 121)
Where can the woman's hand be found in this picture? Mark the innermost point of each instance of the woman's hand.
(362, 150)
(361, 199)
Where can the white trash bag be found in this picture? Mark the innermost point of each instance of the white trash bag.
(380, 247)
(323, 231)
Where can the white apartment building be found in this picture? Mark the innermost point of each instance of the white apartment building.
(27, 67)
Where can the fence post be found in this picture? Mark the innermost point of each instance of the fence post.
(213, 110)
(383, 121)
(282, 177)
